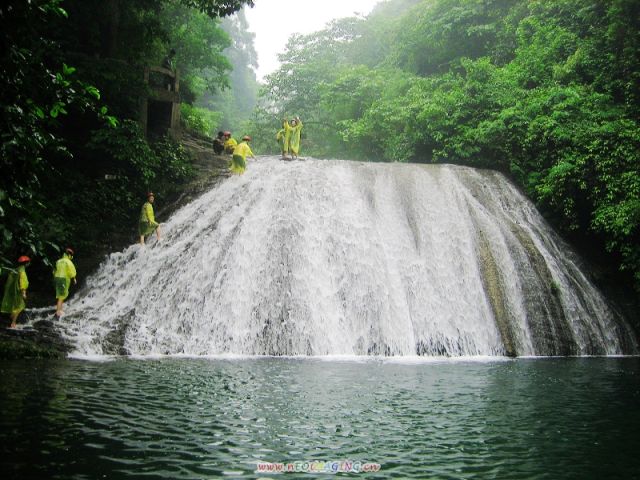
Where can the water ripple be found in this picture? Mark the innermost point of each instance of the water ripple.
(188, 418)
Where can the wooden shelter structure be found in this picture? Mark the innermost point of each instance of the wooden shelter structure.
(160, 110)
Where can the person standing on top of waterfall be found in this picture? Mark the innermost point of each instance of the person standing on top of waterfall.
(15, 291)
(292, 137)
(168, 63)
(229, 143)
(280, 137)
(148, 224)
(64, 272)
(239, 160)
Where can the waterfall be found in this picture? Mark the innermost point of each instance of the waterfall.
(348, 258)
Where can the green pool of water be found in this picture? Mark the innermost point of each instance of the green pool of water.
(175, 418)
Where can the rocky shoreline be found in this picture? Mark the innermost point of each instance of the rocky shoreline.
(42, 340)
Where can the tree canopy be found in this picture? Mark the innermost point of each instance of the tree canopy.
(72, 75)
(546, 91)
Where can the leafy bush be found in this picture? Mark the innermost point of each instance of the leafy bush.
(199, 120)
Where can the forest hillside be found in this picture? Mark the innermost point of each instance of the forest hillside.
(546, 91)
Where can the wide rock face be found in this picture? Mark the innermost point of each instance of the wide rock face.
(348, 258)
(42, 340)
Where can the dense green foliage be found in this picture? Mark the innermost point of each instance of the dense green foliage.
(202, 121)
(547, 91)
(75, 163)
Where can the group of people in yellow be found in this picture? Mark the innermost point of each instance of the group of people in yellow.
(289, 138)
(238, 151)
(238, 164)
(15, 288)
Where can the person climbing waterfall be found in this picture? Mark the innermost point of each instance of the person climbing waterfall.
(293, 137)
(218, 143)
(148, 224)
(64, 272)
(230, 143)
(15, 291)
(280, 138)
(239, 160)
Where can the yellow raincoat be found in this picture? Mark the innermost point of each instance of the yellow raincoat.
(230, 145)
(64, 272)
(147, 224)
(13, 301)
(280, 137)
(239, 161)
(292, 137)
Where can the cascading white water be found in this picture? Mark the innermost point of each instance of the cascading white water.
(336, 257)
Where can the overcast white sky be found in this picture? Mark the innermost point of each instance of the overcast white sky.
(274, 21)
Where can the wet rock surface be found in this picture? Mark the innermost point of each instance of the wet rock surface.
(40, 340)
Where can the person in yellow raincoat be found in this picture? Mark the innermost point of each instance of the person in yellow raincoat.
(229, 143)
(292, 137)
(148, 224)
(63, 274)
(15, 291)
(280, 137)
(239, 160)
